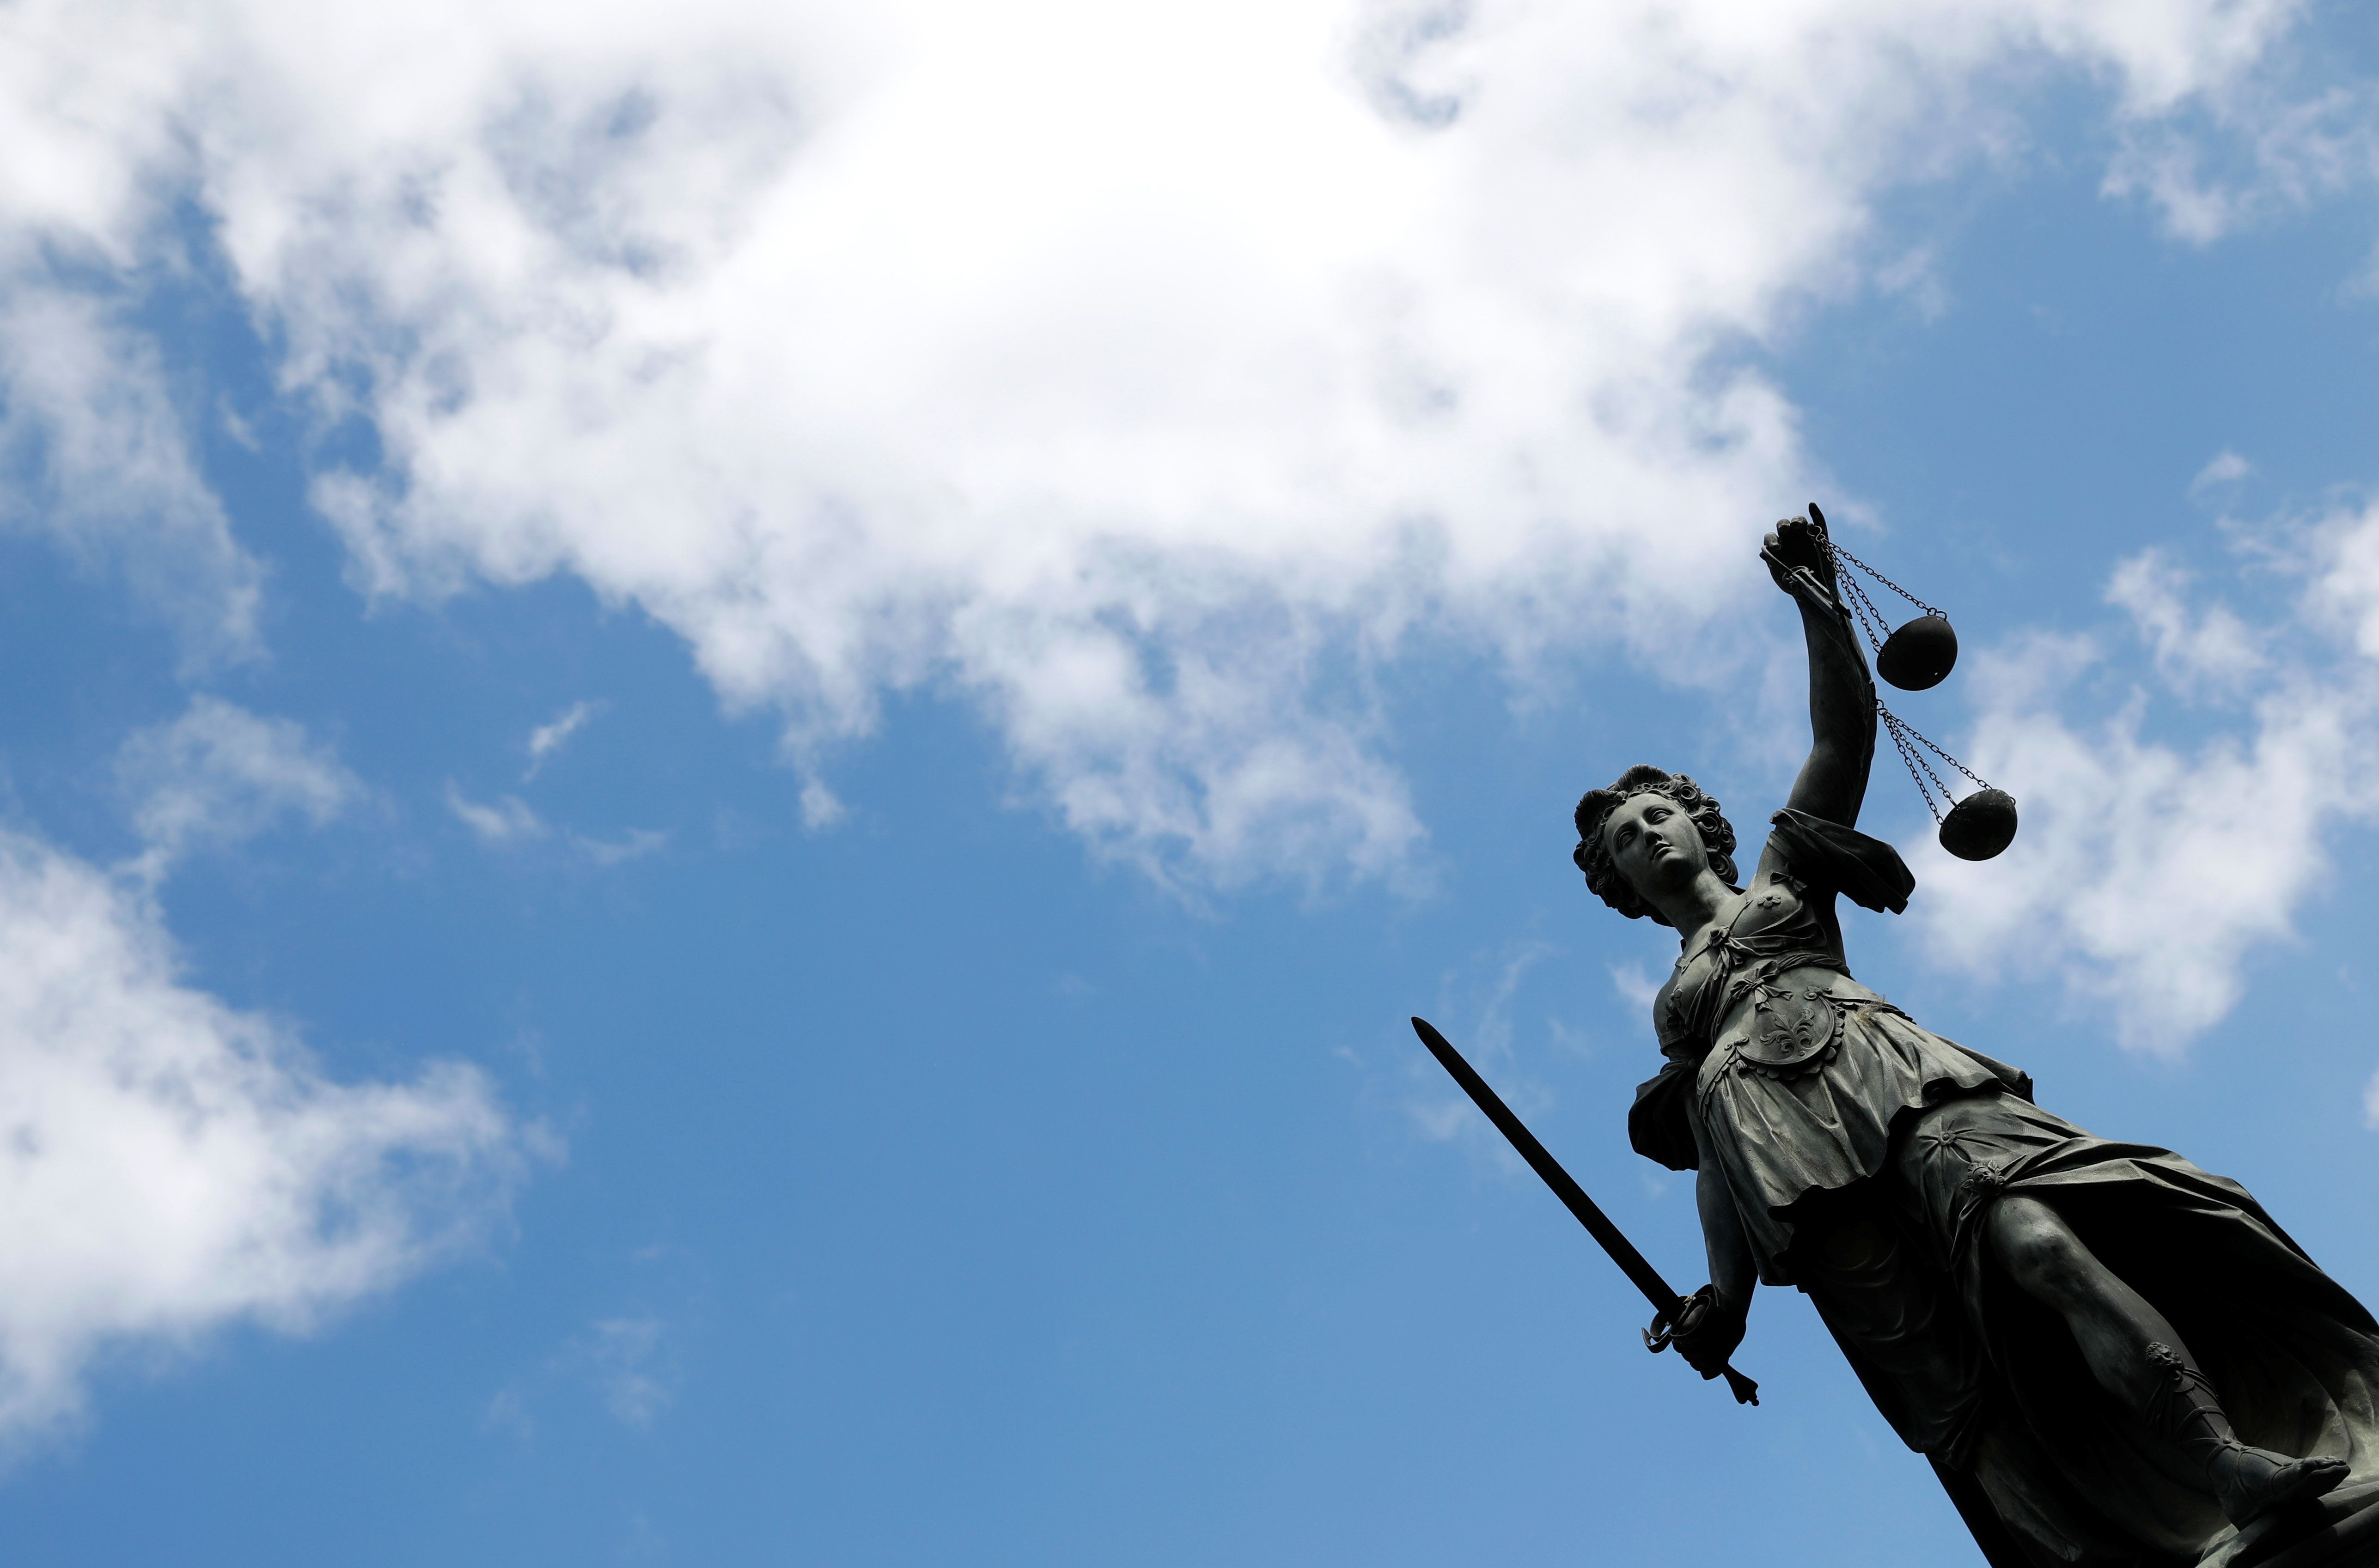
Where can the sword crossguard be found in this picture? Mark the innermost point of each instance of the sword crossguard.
(1669, 1323)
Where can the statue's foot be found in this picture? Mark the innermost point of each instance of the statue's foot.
(2250, 1482)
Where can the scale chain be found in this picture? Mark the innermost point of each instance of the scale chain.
(1854, 598)
(1902, 733)
(1834, 549)
(1905, 738)
(1918, 768)
(1870, 619)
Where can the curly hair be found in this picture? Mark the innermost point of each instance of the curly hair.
(1593, 807)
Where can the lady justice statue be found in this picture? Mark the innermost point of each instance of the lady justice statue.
(2110, 1355)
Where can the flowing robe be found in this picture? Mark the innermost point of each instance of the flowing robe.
(1862, 1153)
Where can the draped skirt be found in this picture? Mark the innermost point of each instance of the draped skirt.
(1990, 1384)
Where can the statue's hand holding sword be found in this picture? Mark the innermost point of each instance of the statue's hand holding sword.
(1673, 1313)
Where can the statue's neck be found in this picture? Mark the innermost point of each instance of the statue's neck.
(1696, 907)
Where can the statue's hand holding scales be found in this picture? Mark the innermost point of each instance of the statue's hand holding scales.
(1918, 655)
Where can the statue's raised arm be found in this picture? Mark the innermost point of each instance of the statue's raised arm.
(1832, 783)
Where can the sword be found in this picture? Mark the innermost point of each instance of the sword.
(1669, 1306)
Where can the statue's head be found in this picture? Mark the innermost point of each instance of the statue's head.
(1649, 830)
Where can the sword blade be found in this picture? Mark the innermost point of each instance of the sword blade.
(1598, 1224)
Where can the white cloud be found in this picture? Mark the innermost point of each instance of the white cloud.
(1916, 277)
(2371, 1104)
(171, 1165)
(625, 1362)
(623, 1355)
(2148, 871)
(547, 739)
(2224, 468)
(1635, 987)
(220, 773)
(634, 844)
(1145, 372)
(821, 807)
(2344, 565)
(1479, 1013)
(2193, 645)
(93, 453)
(509, 820)
(2284, 153)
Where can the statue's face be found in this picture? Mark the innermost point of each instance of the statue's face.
(1654, 844)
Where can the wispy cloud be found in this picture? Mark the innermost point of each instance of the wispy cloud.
(547, 739)
(507, 820)
(97, 458)
(821, 807)
(634, 844)
(220, 774)
(2196, 645)
(1480, 1025)
(1634, 986)
(624, 1357)
(2225, 467)
(627, 1363)
(2272, 153)
(509, 823)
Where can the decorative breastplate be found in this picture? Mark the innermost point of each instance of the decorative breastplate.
(1791, 978)
(1796, 1022)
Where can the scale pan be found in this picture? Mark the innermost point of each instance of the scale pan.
(1919, 655)
(1980, 825)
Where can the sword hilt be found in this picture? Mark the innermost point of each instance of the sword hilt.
(1663, 1333)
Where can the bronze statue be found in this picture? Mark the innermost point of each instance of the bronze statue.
(2110, 1355)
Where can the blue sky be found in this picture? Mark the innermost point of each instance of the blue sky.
(1068, 574)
